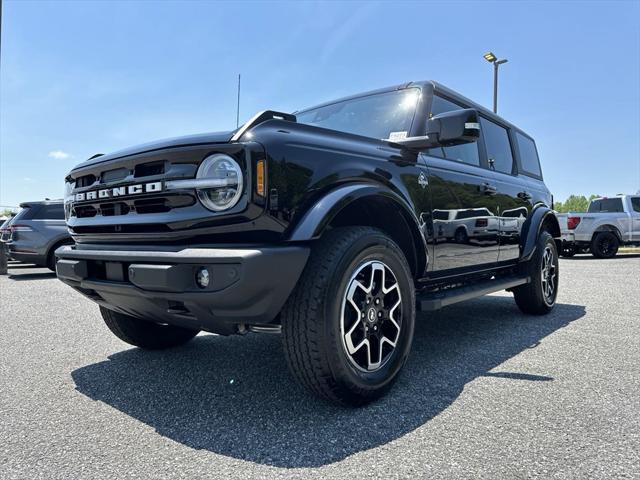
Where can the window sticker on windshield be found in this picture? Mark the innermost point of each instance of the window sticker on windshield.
(397, 135)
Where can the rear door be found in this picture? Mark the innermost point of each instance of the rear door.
(515, 196)
(465, 225)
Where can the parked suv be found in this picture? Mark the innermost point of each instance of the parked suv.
(37, 231)
(5, 232)
(320, 226)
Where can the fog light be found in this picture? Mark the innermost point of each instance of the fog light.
(202, 277)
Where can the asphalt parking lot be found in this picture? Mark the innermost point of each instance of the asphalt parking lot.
(487, 393)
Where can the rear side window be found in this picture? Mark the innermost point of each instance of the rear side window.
(496, 139)
(528, 155)
(465, 153)
(635, 204)
(608, 205)
(50, 212)
(22, 215)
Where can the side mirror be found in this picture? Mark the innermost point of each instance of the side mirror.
(446, 129)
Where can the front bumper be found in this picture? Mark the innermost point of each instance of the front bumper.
(248, 285)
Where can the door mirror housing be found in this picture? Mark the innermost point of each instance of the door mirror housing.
(446, 129)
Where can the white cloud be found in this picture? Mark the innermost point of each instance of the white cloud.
(28, 179)
(59, 155)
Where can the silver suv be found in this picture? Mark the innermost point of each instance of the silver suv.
(37, 231)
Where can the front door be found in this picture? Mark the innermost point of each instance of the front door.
(465, 225)
(464, 219)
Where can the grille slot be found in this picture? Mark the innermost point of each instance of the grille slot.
(85, 181)
(152, 205)
(116, 208)
(149, 169)
(114, 175)
(84, 211)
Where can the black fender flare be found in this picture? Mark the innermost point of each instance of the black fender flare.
(319, 216)
(539, 216)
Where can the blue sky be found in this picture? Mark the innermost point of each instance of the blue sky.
(77, 78)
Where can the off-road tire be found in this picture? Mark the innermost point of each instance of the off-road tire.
(145, 334)
(311, 319)
(605, 245)
(461, 236)
(530, 297)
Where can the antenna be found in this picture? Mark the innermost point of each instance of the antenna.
(238, 106)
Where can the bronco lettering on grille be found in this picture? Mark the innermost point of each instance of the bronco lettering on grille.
(137, 189)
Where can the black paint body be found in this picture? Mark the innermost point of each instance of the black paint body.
(318, 178)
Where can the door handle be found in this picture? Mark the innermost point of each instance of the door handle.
(524, 195)
(488, 189)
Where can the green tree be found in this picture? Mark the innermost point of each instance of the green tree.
(575, 203)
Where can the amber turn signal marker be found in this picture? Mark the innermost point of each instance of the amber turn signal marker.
(260, 178)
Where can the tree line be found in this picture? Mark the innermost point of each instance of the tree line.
(575, 203)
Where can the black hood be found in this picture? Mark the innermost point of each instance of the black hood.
(199, 139)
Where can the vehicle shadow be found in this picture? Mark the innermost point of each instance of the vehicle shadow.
(20, 277)
(235, 397)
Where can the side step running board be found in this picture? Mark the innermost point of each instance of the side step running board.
(435, 301)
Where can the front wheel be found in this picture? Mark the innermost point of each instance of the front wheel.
(145, 334)
(348, 326)
(539, 295)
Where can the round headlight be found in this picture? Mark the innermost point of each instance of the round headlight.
(219, 182)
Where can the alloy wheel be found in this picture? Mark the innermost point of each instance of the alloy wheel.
(371, 316)
(548, 275)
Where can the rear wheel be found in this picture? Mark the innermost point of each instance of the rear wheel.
(605, 245)
(461, 236)
(145, 334)
(348, 326)
(539, 295)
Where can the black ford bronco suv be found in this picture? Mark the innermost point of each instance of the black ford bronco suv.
(331, 226)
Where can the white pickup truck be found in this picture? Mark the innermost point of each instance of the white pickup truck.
(607, 224)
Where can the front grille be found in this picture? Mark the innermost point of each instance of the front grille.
(133, 172)
(135, 203)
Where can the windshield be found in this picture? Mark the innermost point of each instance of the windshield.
(382, 115)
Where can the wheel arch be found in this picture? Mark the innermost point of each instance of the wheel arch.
(607, 228)
(372, 206)
(542, 218)
(57, 243)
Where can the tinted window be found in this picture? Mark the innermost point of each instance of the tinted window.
(466, 153)
(374, 116)
(22, 214)
(441, 214)
(50, 212)
(528, 155)
(609, 205)
(496, 139)
(479, 212)
(635, 204)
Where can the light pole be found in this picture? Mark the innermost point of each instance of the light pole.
(491, 58)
